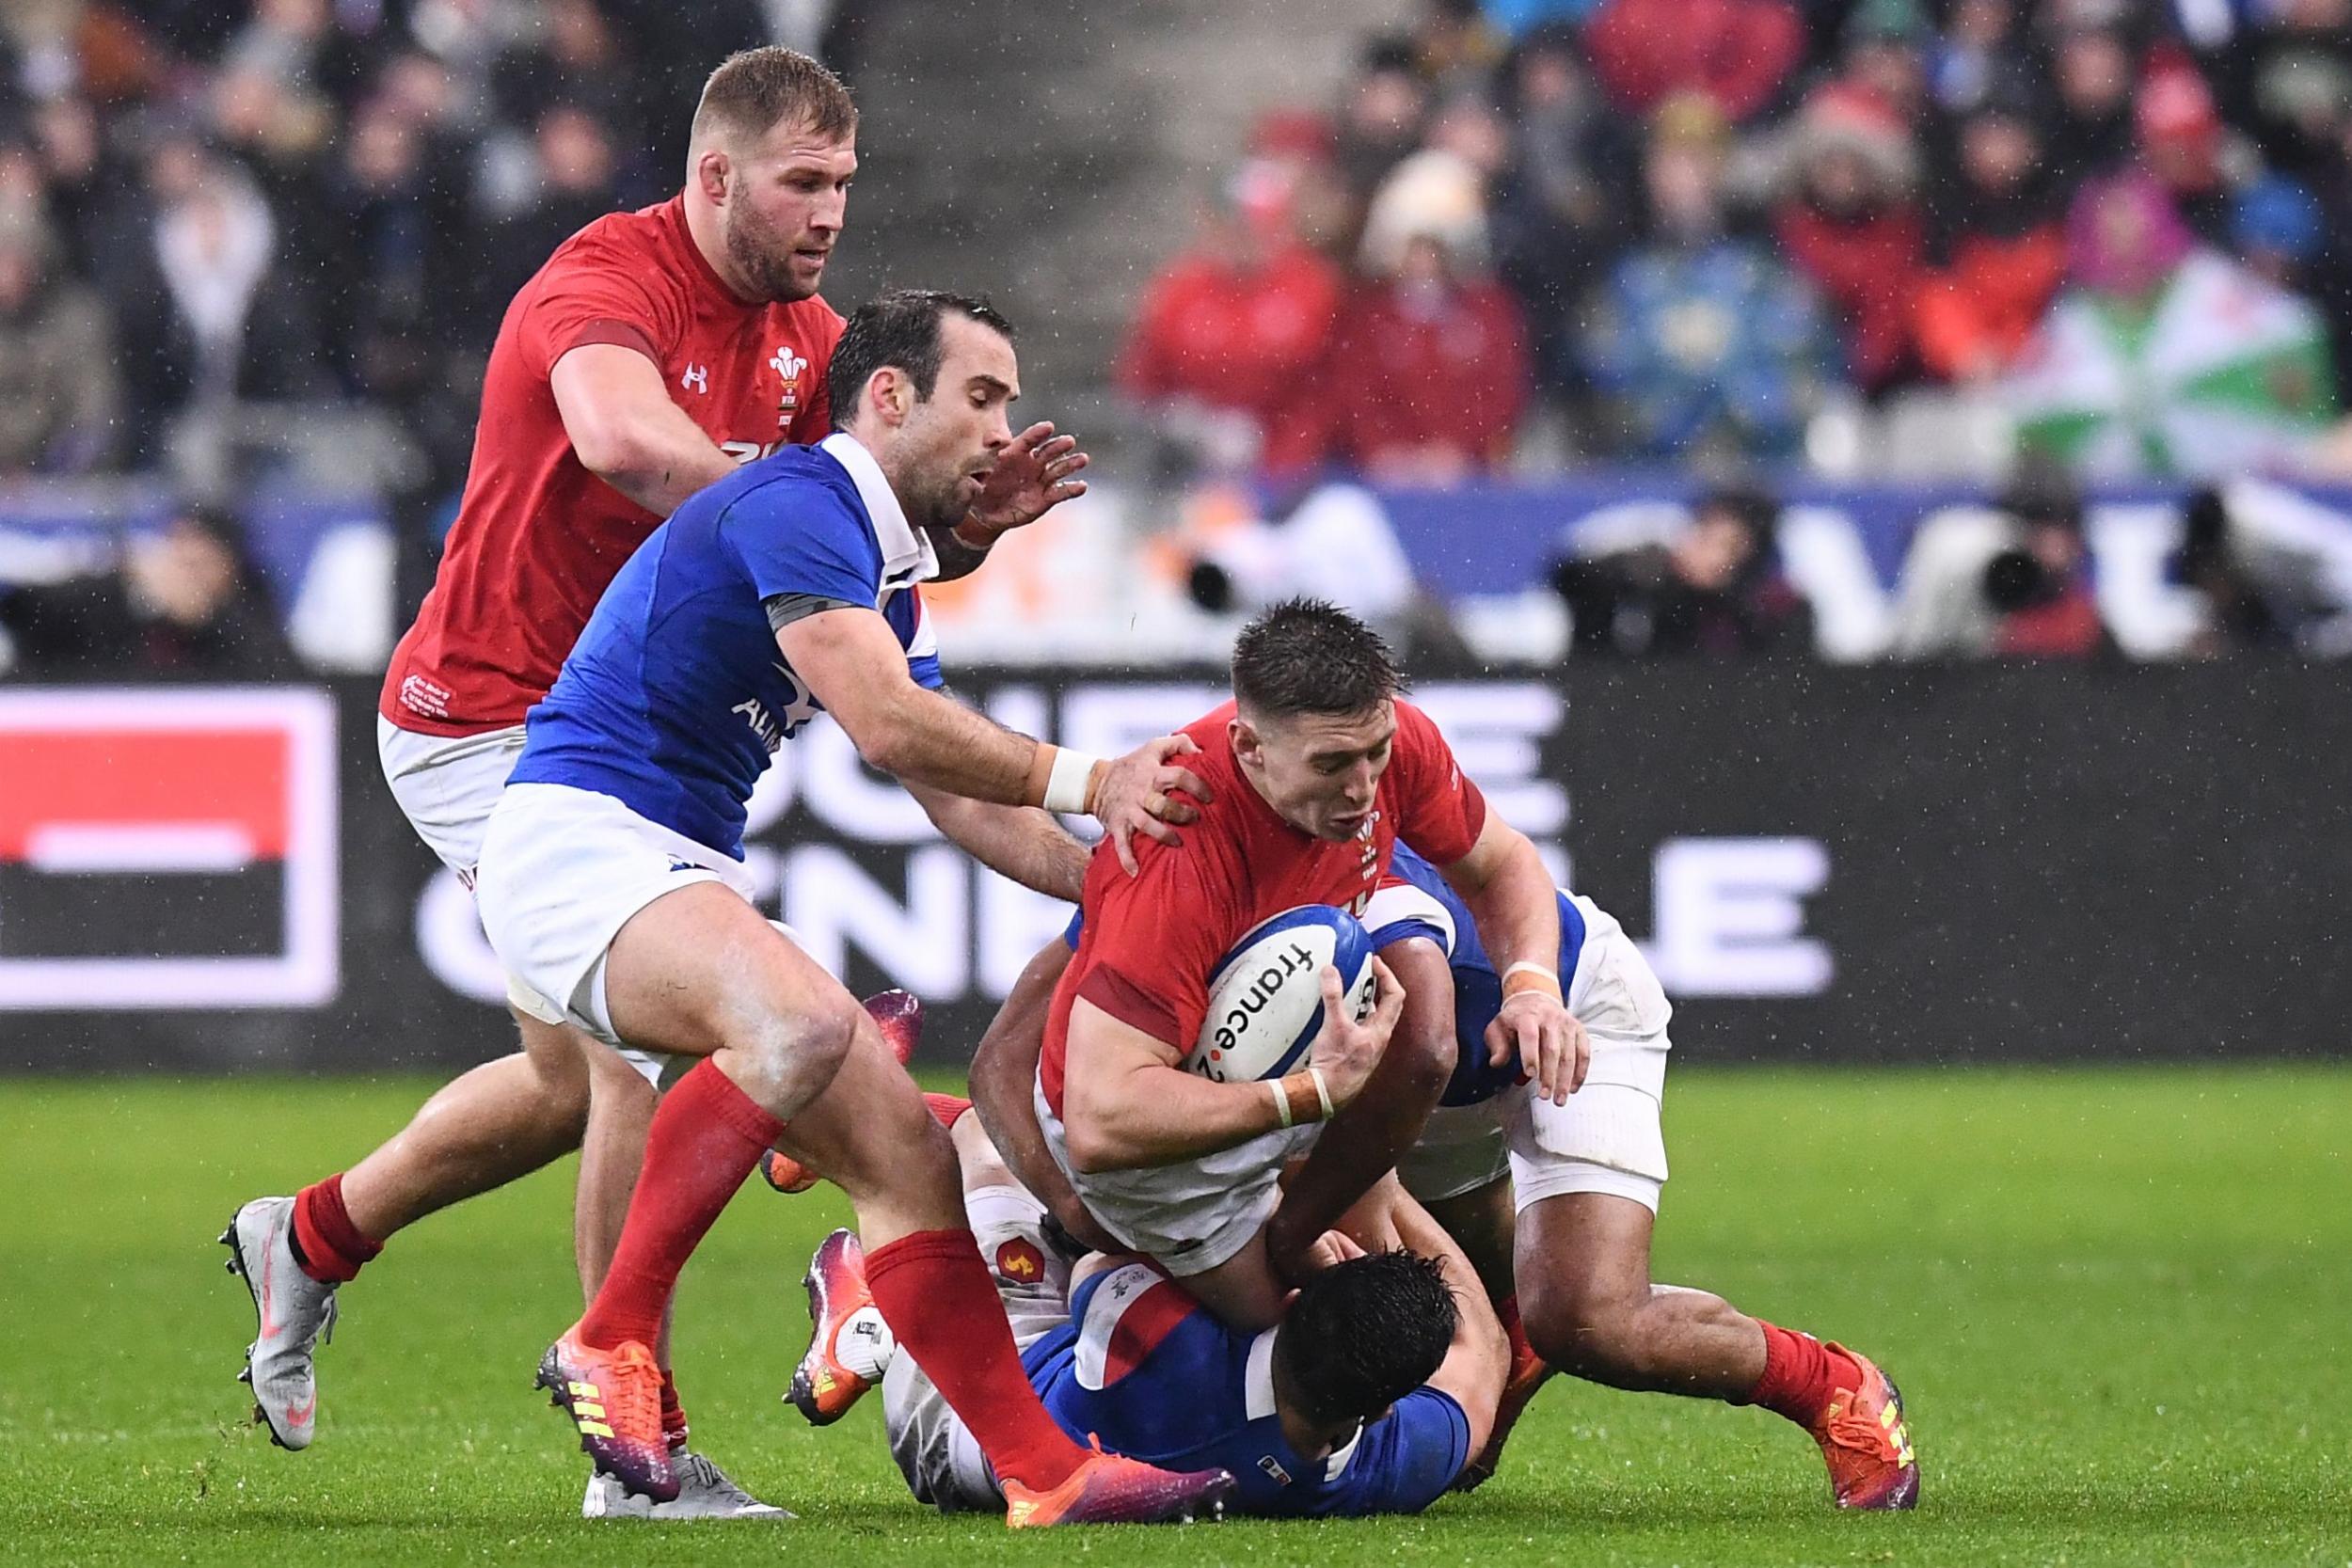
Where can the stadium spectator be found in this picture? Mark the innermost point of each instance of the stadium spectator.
(1427, 377)
(2164, 358)
(1562, 207)
(576, 63)
(2090, 112)
(58, 392)
(2276, 229)
(185, 602)
(1440, 192)
(1996, 247)
(2037, 589)
(2239, 611)
(1886, 43)
(1713, 591)
(1848, 224)
(1229, 332)
(1738, 53)
(1382, 110)
(1979, 46)
(2183, 142)
(191, 334)
(1703, 343)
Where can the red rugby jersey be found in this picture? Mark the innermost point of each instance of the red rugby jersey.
(538, 537)
(1151, 940)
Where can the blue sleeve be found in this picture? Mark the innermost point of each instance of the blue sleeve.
(1398, 930)
(1071, 932)
(924, 669)
(1408, 1457)
(805, 538)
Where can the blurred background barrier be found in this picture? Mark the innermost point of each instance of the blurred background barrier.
(1956, 864)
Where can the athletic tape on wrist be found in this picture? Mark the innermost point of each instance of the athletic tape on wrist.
(1281, 1101)
(1068, 785)
(1322, 1092)
(1525, 975)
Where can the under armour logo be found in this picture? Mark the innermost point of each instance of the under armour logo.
(788, 364)
(696, 379)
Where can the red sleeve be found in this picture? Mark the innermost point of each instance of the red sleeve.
(597, 294)
(1154, 938)
(1440, 810)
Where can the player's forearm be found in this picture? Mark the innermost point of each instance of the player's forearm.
(1161, 1116)
(658, 468)
(1518, 910)
(1478, 1362)
(1386, 1118)
(1003, 1079)
(624, 429)
(1019, 842)
(936, 743)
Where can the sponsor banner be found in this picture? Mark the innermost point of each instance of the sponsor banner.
(1931, 866)
(168, 850)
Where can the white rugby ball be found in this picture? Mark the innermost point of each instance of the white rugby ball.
(1265, 997)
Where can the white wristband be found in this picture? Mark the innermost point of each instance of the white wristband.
(1281, 1100)
(1526, 966)
(1323, 1090)
(1066, 786)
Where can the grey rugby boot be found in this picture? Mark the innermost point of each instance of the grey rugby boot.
(704, 1492)
(292, 1313)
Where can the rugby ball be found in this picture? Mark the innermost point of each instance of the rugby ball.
(1265, 997)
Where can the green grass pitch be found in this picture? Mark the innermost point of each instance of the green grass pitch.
(2118, 1303)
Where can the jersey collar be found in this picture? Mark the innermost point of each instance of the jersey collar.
(1257, 1403)
(907, 556)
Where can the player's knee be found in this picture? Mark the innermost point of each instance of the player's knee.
(1582, 1327)
(803, 1048)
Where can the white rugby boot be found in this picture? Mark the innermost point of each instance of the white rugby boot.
(705, 1492)
(292, 1313)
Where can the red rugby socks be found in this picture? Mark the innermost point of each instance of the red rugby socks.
(327, 1246)
(938, 1299)
(946, 1109)
(673, 1413)
(705, 1140)
(1801, 1374)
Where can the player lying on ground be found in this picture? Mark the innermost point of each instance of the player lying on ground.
(611, 880)
(1583, 1181)
(654, 353)
(1319, 768)
(1588, 1175)
(1369, 1396)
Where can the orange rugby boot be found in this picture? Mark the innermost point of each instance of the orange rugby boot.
(1866, 1442)
(1108, 1489)
(613, 1398)
(1528, 1372)
(848, 1344)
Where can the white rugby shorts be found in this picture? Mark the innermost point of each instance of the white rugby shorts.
(1191, 1217)
(447, 786)
(562, 870)
(1608, 1137)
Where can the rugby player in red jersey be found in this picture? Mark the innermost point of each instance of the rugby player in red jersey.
(655, 352)
(1318, 767)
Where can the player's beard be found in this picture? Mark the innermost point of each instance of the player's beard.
(762, 253)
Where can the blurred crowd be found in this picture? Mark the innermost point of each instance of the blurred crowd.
(207, 203)
(1676, 231)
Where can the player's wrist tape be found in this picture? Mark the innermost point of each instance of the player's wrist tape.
(1524, 975)
(1063, 780)
(1301, 1097)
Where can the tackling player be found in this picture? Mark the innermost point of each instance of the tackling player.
(1370, 1397)
(612, 881)
(655, 352)
(1319, 770)
(1584, 1180)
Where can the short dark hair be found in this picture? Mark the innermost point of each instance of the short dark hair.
(1308, 656)
(1365, 1333)
(756, 88)
(900, 329)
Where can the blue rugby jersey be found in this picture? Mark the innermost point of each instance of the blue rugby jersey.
(1156, 1377)
(676, 695)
